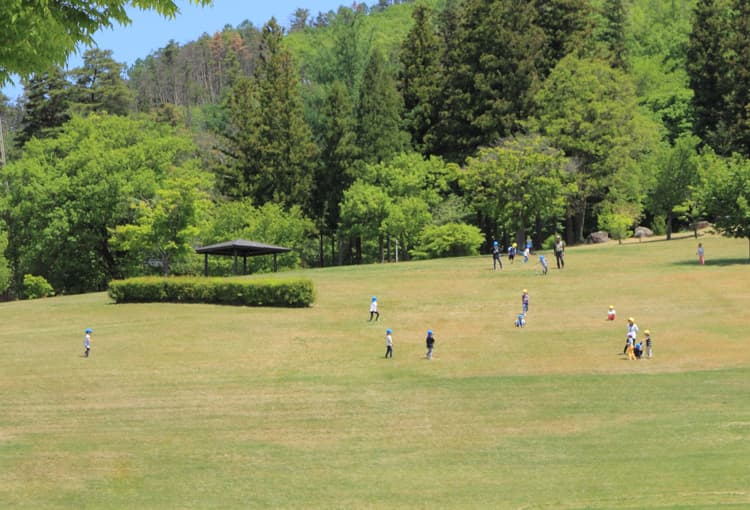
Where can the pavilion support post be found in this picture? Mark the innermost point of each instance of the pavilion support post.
(235, 262)
(205, 264)
(274, 262)
(244, 264)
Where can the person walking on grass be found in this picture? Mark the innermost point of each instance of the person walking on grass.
(374, 309)
(560, 252)
(388, 343)
(525, 301)
(430, 341)
(543, 262)
(87, 342)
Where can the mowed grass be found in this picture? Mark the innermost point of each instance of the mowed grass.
(211, 407)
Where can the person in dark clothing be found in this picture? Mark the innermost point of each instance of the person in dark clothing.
(430, 340)
(496, 261)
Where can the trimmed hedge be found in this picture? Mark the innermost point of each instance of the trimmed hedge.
(226, 291)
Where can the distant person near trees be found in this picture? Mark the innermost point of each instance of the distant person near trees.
(701, 254)
(560, 252)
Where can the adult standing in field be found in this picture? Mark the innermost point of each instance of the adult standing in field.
(632, 333)
(496, 252)
(87, 342)
(560, 252)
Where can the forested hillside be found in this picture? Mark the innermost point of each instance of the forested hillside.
(429, 127)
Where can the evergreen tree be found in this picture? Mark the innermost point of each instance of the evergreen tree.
(99, 86)
(739, 83)
(338, 152)
(45, 105)
(379, 132)
(491, 74)
(613, 33)
(270, 143)
(566, 25)
(420, 77)
(708, 72)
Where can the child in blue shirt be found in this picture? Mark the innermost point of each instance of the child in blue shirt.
(543, 262)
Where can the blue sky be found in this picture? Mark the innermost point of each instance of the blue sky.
(149, 31)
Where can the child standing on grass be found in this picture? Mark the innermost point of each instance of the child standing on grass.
(611, 314)
(701, 254)
(430, 341)
(374, 308)
(87, 342)
(649, 344)
(388, 343)
(525, 301)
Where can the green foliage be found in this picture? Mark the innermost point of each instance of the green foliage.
(99, 85)
(590, 111)
(5, 273)
(270, 224)
(166, 226)
(46, 106)
(675, 174)
(379, 110)
(516, 183)
(448, 240)
(37, 35)
(226, 291)
(67, 193)
(617, 219)
(267, 138)
(725, 194)
(35, 287)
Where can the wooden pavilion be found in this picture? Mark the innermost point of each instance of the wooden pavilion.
(240, 248)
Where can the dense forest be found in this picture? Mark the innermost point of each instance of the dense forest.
(376, 132)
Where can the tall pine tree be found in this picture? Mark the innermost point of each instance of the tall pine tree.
(270, 143)
(420, 77)
(708, 72)
(46, 105)
(379, 131)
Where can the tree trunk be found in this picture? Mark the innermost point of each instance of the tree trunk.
(669, 226)
(321, 254)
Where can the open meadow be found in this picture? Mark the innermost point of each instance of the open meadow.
(218, 407)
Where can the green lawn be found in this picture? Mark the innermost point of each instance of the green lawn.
(211, 407)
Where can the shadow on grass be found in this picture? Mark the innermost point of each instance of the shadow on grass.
(714, 262)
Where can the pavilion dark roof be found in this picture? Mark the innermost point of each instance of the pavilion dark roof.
(241, 247)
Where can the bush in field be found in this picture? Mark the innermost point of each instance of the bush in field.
(229, 291)
(36, 287)
(449, 240)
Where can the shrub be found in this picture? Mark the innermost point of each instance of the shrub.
(229, 291)
(36, 287)
(449, 240)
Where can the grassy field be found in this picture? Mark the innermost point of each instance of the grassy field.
(210, 407)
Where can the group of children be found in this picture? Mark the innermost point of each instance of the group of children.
(633, 349)
(512, 251)
(374, 313)
(429, 341)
